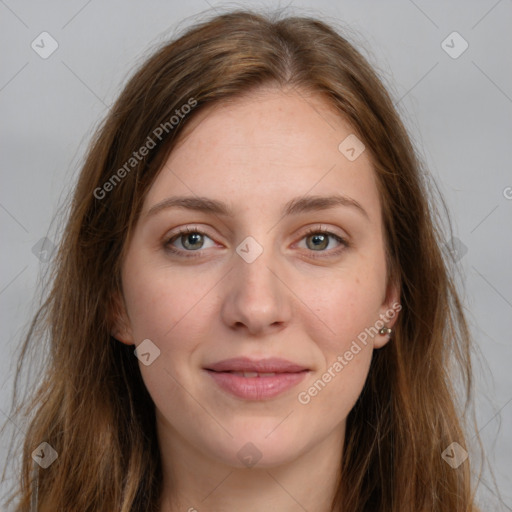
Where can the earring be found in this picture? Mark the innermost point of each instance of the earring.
(386, 330)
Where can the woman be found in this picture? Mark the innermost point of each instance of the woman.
(250, 306)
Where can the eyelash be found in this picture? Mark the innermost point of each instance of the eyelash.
(198, 253)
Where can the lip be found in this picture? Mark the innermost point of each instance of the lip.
(246, 364)
(284, 375)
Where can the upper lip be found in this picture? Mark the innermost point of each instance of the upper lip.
(246, 364)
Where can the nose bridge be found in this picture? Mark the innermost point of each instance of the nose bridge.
(255, 296)
(252, 269)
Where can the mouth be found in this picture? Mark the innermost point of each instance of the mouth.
(252, 374)
(252, 379)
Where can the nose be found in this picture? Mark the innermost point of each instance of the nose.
(256, 301)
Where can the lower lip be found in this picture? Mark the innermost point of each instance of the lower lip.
(256, 388)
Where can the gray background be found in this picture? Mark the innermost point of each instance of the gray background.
(458, 111)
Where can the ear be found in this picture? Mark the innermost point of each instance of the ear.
(388, 313)
(120, 327)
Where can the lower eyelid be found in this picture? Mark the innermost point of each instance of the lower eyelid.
(198, 252)
(170, 240)
(331, 235)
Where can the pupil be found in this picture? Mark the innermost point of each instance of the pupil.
(319, 241)
(192, 239)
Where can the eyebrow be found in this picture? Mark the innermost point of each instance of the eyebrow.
(296, 206)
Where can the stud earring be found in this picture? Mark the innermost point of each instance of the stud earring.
(386, 330)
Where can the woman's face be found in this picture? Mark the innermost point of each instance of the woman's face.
(265, 312)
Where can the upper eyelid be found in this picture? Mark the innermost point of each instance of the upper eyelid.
(343, 240)
(308, 231)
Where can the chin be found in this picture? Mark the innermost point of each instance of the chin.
(261, 446)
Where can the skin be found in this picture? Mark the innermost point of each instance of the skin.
(256, 153)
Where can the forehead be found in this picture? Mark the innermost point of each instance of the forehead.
(267, 144)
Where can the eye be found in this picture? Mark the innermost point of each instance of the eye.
(320, 240)
(192, 240)
(189, 240)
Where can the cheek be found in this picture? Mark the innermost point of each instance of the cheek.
(334, 392)
(171, 310)
(160, 302)
(346, 305)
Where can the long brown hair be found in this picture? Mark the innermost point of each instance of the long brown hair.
(91, 405)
